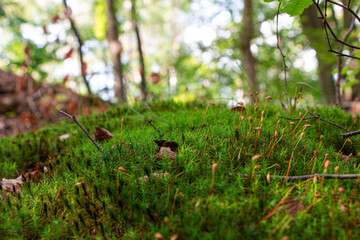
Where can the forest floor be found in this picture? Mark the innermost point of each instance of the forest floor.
(213, 176)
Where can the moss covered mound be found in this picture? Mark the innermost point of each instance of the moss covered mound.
(209, 188)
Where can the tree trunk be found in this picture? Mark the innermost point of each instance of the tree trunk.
(141, 55)
(115, 52)
(80, 42)
(249, 61)
(314, 30)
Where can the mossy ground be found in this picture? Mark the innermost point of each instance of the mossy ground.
(99, 201)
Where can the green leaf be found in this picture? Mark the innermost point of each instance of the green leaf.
(295, 7)
(305, 84)
(268, 1)
(350, 83)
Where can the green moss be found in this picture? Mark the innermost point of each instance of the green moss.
(98, 200)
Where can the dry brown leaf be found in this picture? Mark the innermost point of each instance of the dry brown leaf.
(292, 206)
(55, 18)
(69, 54)
(101, 134)
(155, 78)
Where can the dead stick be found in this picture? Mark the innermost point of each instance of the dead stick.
(150, 122)
(297, 119)
(349, 134)
(303, 177)
(322, 119)
(82, 128)
(334, 124)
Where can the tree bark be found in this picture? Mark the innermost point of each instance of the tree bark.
(141, 54)
(115, 52)
(249, 61)
(314, 30)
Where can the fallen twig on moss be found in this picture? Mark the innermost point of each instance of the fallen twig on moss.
(304, 177)
(297, 119)
(82, 128)
(322, 119)
(150, 122)
(350, 134)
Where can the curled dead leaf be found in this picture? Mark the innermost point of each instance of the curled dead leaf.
(101, 134)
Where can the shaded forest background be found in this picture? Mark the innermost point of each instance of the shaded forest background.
(84, 56)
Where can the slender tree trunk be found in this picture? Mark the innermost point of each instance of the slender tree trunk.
(80, 42)
(115, 51)
(314, 30)
(249, 61)
(141, 55)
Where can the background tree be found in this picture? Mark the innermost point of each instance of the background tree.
(246, 37)
(115, 47)
(140, 50)
(314, 30)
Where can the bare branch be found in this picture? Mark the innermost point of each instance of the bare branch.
(349, 134)
(316, 116)
(82, 128)
(323, 119)
(304, 177)
(345, 7)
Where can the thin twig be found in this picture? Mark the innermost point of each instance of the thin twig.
(328, 27)
(315, 116)
(150, 122)
(350, 134)
(303, 177)
(343, 54)
(278, 47)
(339, 62)
(347, 8)
(296, 119)
(323, 119)
(82, 128)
